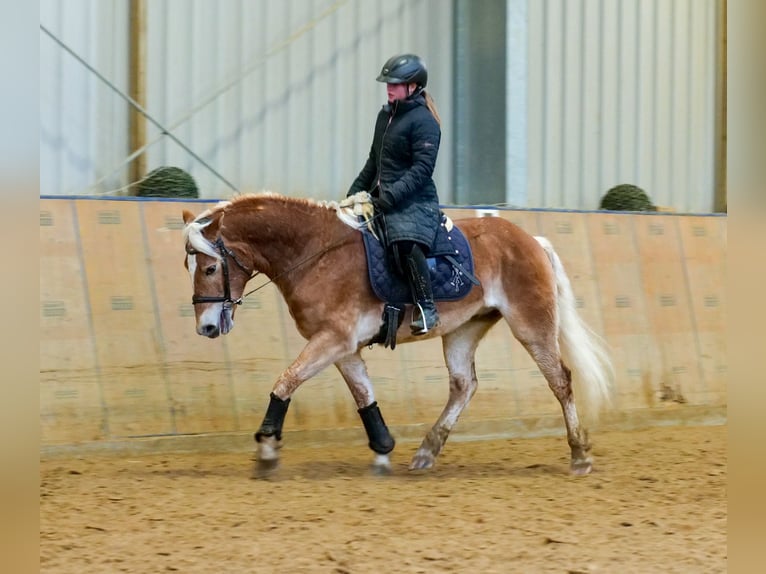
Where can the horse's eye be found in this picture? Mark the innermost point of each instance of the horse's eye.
(210, 270)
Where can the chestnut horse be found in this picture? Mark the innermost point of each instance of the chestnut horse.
(317, 261)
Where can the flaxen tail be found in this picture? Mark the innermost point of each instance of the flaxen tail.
(584, 352)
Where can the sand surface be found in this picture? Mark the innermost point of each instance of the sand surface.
(656, 502)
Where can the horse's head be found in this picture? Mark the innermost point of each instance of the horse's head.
(218, 273)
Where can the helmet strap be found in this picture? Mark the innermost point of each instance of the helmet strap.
(418, 90)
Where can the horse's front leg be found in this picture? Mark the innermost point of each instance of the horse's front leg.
(354, 371)
(318, 353)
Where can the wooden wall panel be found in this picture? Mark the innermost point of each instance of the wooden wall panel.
(119, 355)
(427, 381)
(703, 241)
(626, 326)
(254, 353)
(127, 341)
(71, 408)
(396, 386)
(677, 376)
(498, 392)
(196, 368)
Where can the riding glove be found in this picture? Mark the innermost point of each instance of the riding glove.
(384, 202)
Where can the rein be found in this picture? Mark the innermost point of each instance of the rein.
(226, 252)
(294, 267)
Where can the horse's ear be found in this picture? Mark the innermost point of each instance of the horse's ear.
(215, 223)
(188, 216)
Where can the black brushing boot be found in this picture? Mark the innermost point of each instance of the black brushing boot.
(380, 438)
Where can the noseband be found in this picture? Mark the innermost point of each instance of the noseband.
(227, 301)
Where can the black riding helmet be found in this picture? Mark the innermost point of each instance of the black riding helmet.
(404, 69)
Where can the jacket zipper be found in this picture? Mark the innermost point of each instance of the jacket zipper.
(382, 139)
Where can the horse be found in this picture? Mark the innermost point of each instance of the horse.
(317, 260)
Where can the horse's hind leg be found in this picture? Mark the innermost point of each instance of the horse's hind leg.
(459, 349)
(546, 354)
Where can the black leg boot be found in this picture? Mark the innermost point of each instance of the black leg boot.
(424, 314)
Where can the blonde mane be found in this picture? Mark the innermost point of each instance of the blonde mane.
(193, 236)
(248, 197)
(193, 232)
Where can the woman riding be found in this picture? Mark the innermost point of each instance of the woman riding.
(398, 174)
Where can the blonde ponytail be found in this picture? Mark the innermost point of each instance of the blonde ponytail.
(431, 105)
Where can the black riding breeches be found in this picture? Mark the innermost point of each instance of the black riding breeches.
(401, 250)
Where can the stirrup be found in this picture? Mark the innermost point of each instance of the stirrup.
(415, 328)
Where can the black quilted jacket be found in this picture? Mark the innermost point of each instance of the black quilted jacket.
(401, 162)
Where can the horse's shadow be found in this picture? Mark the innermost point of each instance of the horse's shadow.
(319, 470)
(357, 468)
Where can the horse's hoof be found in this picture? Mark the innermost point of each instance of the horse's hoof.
(381, 466)
(421, 461)
(581, 468)
(380, 470)
(265, 468)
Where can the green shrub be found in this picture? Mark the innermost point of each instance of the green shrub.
(626, 197)
(167, 182)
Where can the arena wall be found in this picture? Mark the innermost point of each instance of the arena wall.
(120, 360)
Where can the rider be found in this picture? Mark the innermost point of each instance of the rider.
(398, 173)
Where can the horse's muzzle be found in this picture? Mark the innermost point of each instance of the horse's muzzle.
(209, 327)
(209, 330)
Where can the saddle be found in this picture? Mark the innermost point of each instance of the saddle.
(449, 259)
(451, 264)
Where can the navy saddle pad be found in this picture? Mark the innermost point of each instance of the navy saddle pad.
(449, 281)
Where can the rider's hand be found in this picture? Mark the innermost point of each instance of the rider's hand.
(384, 202)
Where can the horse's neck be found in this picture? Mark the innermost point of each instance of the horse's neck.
(287, 236)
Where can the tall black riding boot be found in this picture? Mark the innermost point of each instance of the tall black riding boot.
(424, 314)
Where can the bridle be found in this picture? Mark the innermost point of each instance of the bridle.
(226, 299)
